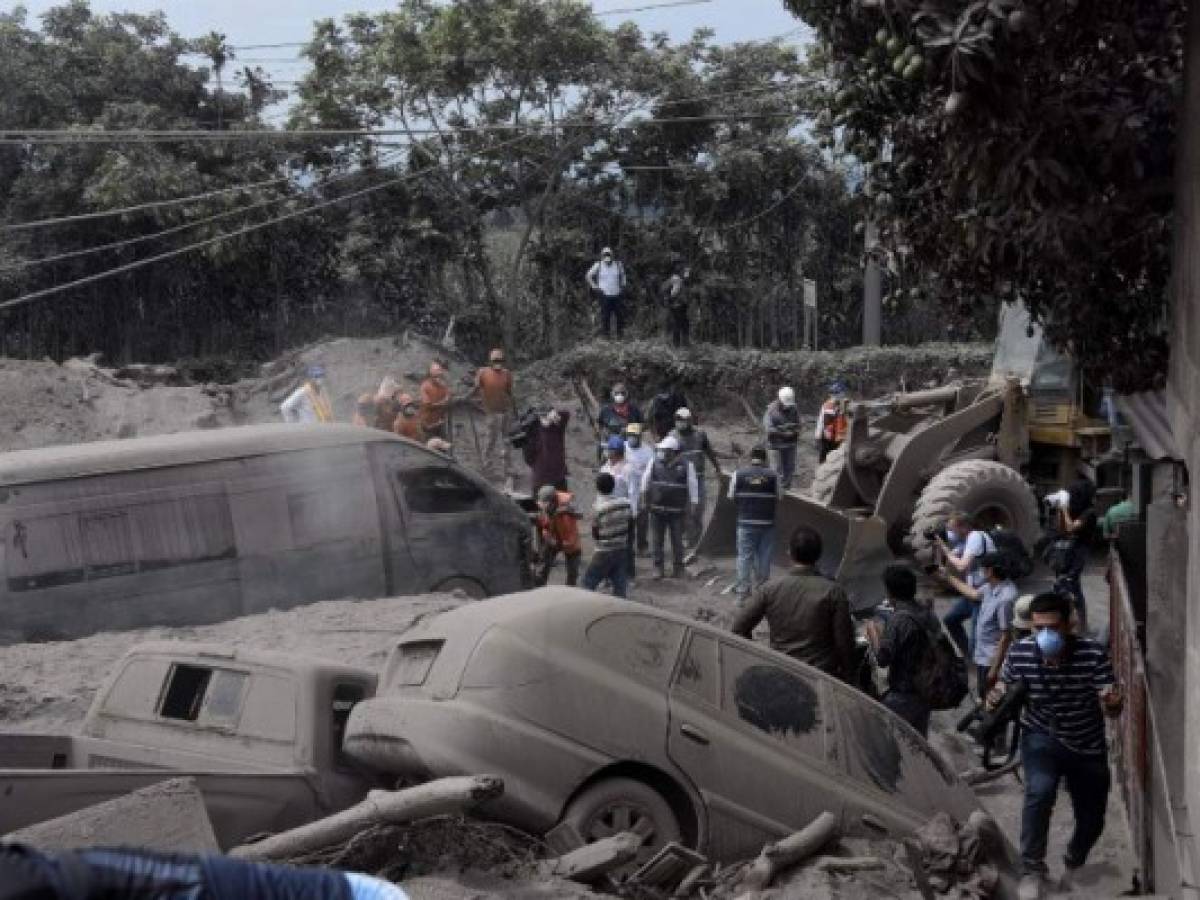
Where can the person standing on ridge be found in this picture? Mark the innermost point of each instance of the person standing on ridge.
(695, 447)
(755, 490)
(435, 399)
(675, 293)
(669, 489)
(833, 421)
(781, 422)
(607, 278)
(494, 385)
(310, 402)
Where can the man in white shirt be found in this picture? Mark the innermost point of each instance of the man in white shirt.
(624, 487)
(639, 456)
(607, 278)
(963, 559)
(309, 403)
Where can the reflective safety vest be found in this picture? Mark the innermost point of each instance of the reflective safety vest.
(834, 421)
(691, 448)
(756, 493)
(669, 486)
(322, 408)
(612, 524)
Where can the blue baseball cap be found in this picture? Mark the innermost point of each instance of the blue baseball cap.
(615, 443)
(316, 371)
(837, 387)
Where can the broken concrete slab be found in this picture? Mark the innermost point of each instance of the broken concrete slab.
(169, 817)
(593, 860)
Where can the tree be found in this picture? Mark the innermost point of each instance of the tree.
(1021, 149)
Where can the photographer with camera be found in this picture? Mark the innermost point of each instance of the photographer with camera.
(901, 644)
(962, 559)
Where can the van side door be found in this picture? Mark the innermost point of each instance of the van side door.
(755, 737)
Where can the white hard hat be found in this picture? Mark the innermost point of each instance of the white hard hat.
(670, 442)
(607, 251)
(787, 396)
(683, 413)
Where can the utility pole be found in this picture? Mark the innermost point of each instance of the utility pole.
(872, 288)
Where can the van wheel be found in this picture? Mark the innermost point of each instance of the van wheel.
(469, 586)
(624, 804)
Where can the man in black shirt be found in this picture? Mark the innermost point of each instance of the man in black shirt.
(902, 646)
(1071, 689)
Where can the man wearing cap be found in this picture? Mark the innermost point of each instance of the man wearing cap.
(309, 403)
(615, 415)
(607, 278)
(695, 447)
(669, 490)
(833, 423)
(435, 399)
(638, 457)
(494, 385)
(755, 490)
(781, 422)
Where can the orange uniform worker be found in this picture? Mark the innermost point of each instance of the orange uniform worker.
(832, 422)
(558, 530)
(408, 422)
(494, 384)
(435, 398)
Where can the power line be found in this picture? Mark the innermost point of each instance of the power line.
(176, 229)
(70, 136)
(200, 245)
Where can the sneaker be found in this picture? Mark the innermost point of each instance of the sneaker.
(1066, 881)
(1030, 887)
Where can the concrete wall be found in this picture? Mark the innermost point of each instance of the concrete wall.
(1184, 398)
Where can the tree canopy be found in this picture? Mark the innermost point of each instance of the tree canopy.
(1018, 149)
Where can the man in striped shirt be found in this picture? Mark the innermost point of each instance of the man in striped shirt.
(1071, 688)
(610, 529)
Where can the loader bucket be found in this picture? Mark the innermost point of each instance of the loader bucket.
(855, 548)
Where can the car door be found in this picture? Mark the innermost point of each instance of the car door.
(756, 739)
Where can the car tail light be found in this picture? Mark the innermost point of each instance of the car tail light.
(415, 660)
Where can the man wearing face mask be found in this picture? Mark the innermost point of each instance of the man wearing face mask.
(638, 457)
(616, 415)
(669, 489)
(1070, 689)
(694, 447)
(607, 278)
(310, 402)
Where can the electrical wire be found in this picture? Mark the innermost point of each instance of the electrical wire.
(59, 135)
(248, 229)
(176, 229)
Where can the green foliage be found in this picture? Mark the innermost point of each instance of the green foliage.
(1020, 148)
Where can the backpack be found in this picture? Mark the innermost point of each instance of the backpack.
(1009, 543)
(523, 436)
(942, 678)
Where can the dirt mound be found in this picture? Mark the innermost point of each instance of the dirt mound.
(723, 373)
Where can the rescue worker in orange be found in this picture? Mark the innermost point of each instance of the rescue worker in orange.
(558, 531)
(494, 385)
(833, 421)
(435, 399)
(408, 422)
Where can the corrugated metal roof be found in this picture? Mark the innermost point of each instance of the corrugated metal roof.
(1149, 415)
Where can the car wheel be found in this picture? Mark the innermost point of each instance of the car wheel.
(624, 804)
(469, 586)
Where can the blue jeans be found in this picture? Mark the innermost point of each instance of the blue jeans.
(1046, 762)
(755, 548)
(962, 610)
(611, 566)
(785, 464)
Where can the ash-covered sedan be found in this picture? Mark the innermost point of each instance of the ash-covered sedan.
(611, 715)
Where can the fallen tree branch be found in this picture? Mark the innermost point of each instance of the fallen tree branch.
(789, 852)
(849, 863)
(446, 795)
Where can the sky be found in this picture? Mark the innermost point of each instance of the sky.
(280, 21)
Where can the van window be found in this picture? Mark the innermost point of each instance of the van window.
(641, 646)
(777, 701)
(203, 695)
(184, 529)
(107, 544)
(345, 697)
(434, 490)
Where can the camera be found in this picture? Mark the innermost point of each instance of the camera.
(1057, 500)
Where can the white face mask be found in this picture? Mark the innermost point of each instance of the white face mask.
(618, 398)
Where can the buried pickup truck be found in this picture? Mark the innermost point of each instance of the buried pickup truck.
(261, 734)
(612, 716)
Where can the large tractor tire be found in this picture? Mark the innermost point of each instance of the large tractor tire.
(992, 492)
(825, 479)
